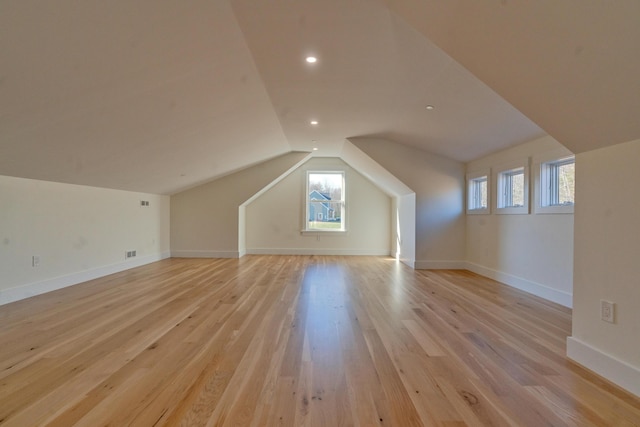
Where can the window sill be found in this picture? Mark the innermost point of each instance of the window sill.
(478, 212)
(568, 209)
(513, 211)
(320, 231)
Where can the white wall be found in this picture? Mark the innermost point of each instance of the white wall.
(404, 228)
(607, 263)
(78, 232)
(403, 201)
(205, 219)
(438, 183)
(532, 252)
(275, 219)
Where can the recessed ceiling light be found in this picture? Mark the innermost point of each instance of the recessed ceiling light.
(311, 59)
(315, 148)
(314, 122)
(430, 107)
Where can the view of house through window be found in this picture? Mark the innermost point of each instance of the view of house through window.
(325, 201)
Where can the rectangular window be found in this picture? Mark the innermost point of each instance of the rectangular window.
(325, 207)
(513, 188)
(478, 192)
(555, 191)
(558, 182)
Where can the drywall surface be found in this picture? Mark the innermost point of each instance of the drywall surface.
(438, 183)
(404, 228)
(76, 232)
(607, 264)
(403, 202)
(274, 221)
(205, 219)
(533, 252)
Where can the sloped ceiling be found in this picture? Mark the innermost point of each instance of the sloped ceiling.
(158, 96)
(149, 96)
(571, 66)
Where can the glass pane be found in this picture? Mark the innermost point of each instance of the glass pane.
(483, 194)
(481, 185)
(512, 188)
(517, 189)
(325, 216)
(566, 183)
(325, 186)
(478, 199)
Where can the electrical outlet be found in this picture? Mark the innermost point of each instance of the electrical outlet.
(35, 261)
(607, 311)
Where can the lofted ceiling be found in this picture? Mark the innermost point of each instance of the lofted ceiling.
(159, 96)
(571, 66)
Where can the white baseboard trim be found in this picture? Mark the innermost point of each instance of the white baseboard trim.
(32, 289)
(440, 265)
(408, 262)
(303, 251)
(542, 291)
(205, 254)
(605, 365)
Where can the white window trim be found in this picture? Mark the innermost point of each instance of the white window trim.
(506, 167)
(305, 213)
(471, 176)
(538, 161)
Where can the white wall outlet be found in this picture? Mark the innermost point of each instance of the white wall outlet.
(607, 311)
(35, 261)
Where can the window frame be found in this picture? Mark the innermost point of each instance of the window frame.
(343, 203)
(473, 177)
(500, 174)
(541, 181)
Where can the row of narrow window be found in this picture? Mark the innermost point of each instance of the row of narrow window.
(556, 186)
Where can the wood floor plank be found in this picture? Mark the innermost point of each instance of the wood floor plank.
(296, 340)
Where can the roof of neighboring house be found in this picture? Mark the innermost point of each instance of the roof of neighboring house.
(324, 196)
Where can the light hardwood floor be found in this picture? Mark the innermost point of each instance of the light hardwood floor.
(296, 340)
